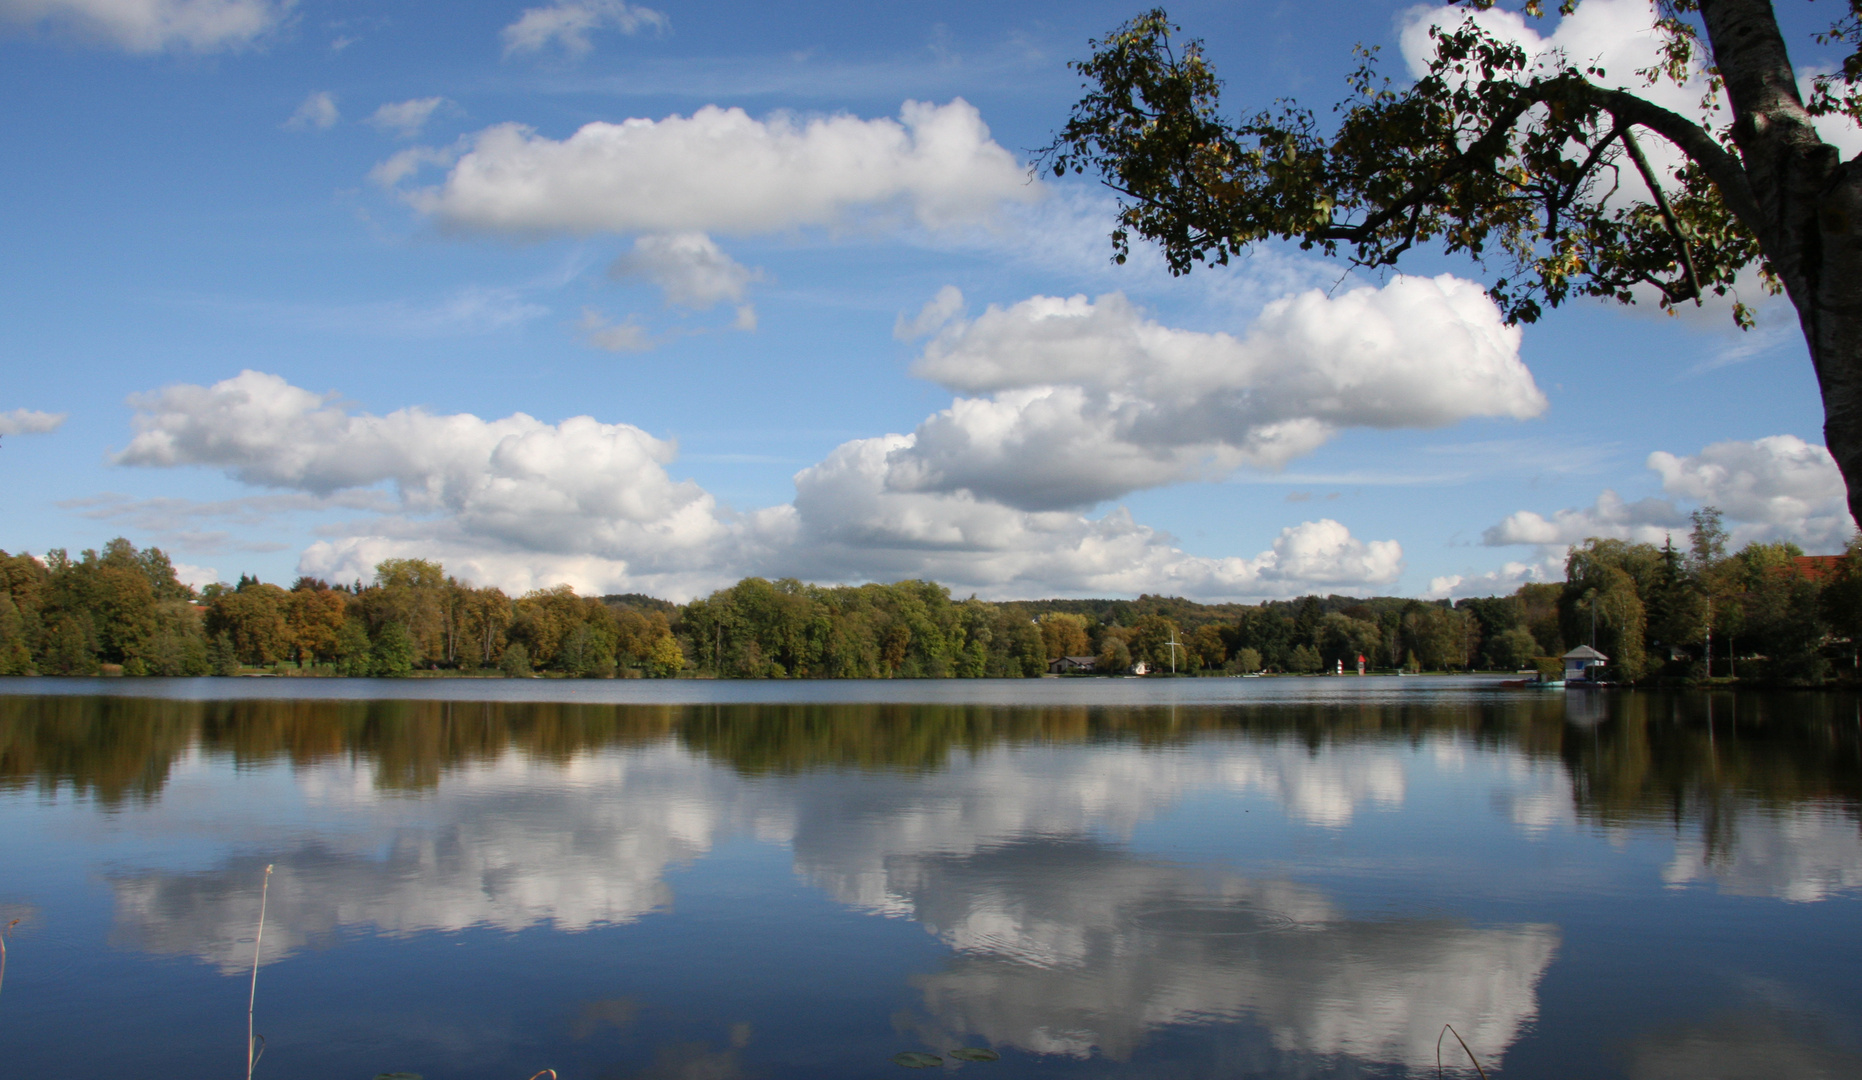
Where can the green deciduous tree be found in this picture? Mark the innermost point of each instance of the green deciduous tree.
(1511, 649)
(1534, 166)
(1539, 603)
(253, 617)
(70, 645)
(1063, 633)
(515, 662)
(118, 606)
(1266, 631)
(23, 579)
(353, 647)
(665, 659)
(314, 615)
(111, 593)
(543, 621)
(179, 644)
(1207, 643)
(222, 657)
(1114, 651)
(1781, 613)
(15, 652)
(482, 618)
(1601, 592)
(587, 653)
(413, 593)
(1342, 639)
(392, 652)
(1842, 602)
(1016, 648)
(1436, 636)
(1151, 642)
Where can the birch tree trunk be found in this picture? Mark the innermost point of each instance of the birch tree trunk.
(1810, 212)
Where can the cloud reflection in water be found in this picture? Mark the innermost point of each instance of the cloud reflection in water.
(1802, 854)
(1076, 947)
(1064, 939)
(509, 845)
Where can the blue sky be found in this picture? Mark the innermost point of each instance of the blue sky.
(313, 284)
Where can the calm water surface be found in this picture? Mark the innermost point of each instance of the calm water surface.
(761, 881)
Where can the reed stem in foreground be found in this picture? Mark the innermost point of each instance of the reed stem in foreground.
(252, 1041)
(1449, 1029)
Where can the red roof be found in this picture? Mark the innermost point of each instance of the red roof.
(1816, 567)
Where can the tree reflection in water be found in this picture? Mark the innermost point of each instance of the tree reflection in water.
(1652, 757)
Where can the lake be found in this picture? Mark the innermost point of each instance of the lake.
(689, 880)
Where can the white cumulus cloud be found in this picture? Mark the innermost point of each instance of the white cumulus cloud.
(721, 171)
(579, 488)
(689, 268)
(1780, 483)
(318, 112)
(1090, 400)
(1775, 488)
(567, 25)
(197, 576)
(150, 26)
(1611, 517)
(522, 503)
(846, 518)
(1075, 403)
(30, 422)
(1502, 582)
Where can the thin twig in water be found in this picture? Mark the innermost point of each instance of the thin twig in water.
(254, 1045)
(1446, 1029)
(4, 931)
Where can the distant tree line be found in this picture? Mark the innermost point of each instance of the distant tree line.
(1657, 612)
(1668, 613)
(125, 608)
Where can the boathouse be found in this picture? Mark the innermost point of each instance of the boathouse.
(1580, 660)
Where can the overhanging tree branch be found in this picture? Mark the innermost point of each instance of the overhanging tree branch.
(1495, 154)
(1700, 147)
(1668, 215)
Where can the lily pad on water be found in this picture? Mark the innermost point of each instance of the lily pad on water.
(975, 1053)
(913, 1059)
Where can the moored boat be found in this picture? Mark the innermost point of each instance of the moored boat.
(1533, 680)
